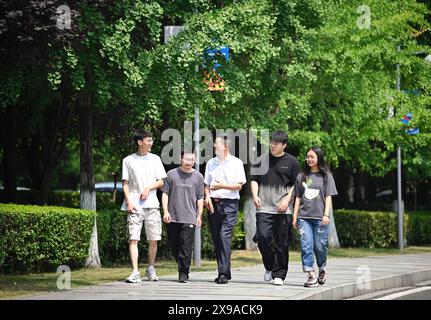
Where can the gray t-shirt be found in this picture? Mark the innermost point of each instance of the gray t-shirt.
(313, 193)
(184, 190)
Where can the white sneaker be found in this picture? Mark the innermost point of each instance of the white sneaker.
(278, 282)
(151, 274)
(135, 277)
(267, 276)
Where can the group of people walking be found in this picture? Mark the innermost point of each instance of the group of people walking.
(284, 197)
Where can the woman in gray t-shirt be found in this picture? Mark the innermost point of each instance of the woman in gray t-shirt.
(313, 190)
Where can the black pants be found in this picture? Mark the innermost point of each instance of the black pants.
(274, 233)
(180, 237)
(222, 222)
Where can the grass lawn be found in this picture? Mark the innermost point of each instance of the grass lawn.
(12, 286)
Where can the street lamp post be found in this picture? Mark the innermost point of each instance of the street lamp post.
(400, 208)
(169, 32)
(197, 246)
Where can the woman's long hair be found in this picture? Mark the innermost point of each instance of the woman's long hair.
(323, 167)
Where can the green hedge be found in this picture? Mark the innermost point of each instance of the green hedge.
(371, 229)
(419, 228)
(367, 229)
(69, 199)
(36, 238)
(113, 241)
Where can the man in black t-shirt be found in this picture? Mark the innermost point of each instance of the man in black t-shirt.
(272, 195)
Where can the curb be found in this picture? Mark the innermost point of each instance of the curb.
(351, 290)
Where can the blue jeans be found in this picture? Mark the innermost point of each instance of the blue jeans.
(314, 241)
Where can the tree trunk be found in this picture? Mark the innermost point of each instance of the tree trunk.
(9, 155)
(87, 189)
(249, 223)
(333, 236)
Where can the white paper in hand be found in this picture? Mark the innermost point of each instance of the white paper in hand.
(135, 198)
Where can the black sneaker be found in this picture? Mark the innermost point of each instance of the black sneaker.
(183, 277)
(322, 277)
(217, 279)
(311, 281)
(222, 279)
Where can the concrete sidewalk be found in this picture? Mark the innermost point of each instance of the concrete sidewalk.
(346, 278)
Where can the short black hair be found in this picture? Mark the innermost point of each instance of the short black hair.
(141, 134)
(280, 136)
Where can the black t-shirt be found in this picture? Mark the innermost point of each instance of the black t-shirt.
(276, 183)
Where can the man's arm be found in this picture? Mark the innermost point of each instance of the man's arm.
(207, 201)
(156, 185)
(255, 192)
(234, 186)
(284, 204)
(166, 215)
(130, 206)
(200, 209)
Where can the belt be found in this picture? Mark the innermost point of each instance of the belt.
(223, 199)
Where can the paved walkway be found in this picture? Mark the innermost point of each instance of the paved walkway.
(346, 278)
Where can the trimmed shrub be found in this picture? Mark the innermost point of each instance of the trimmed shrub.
(238, 237)
(367, 228)
(41, 238)
(113, 240)
(69, 199)
(419, 228)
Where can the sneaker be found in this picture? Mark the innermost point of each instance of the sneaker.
(222, 279)
(322, 277)
(311, 281)
(267, 276)
(217, 279)
(135, 277)
(183, 277)
(151, 274)
(278, 282)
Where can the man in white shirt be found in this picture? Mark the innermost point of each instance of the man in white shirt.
(224, 177)
(142, 175)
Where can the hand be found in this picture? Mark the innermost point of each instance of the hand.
(257, 202)
(167, 217)
(325, 220)
(131, 208)
(209, 205)
(283, 205)
(145, 193)
(216, 186)
(295, 223)
(198, 221)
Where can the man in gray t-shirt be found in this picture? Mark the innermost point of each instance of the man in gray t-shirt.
(182, 200)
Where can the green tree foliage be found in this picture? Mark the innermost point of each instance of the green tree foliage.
(303, 66)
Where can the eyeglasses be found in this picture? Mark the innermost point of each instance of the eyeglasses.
(310, 157)
(188, 160)
(274, 143)
(151, 140)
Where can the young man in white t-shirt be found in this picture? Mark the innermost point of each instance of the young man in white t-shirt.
(142, 175)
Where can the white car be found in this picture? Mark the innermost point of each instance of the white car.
(108, 187)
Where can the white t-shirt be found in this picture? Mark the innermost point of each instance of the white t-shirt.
(140, 172)
(230, 171)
